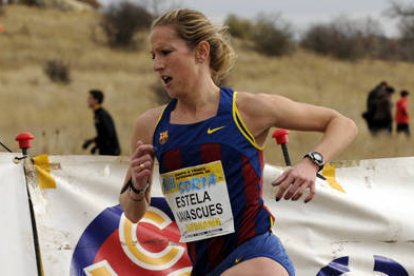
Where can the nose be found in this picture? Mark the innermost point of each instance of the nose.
(158, 64)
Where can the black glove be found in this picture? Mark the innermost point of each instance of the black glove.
(87, 143)
(94, 149)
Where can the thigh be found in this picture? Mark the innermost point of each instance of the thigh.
(257, 266)
(263, 252)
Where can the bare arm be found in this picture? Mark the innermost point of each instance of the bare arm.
(262, 112)
(135, 203)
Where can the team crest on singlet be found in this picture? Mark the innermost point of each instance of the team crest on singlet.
(163, 137)
(199, 200)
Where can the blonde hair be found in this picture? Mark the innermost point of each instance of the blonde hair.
(194, 27)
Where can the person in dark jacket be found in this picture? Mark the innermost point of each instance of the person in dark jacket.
(372, 100)
(106, 141)
(382, 117)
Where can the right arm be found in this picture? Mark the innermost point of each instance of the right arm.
(140, 169)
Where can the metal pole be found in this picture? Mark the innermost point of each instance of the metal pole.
(24, 144)
(5, 147)
(281, 137)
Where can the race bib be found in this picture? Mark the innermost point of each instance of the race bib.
(199, 200)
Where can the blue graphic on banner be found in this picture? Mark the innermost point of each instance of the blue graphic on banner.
(382, 264)
(99, 230)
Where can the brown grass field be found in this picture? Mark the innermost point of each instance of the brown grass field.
(59, 118)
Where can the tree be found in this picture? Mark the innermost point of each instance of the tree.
(346, 39)
(122, 21)
(272, 36)
(405, 14)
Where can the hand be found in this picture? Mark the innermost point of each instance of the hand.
(294, 181)
(87, 143)
(141, 165)
(94, 149)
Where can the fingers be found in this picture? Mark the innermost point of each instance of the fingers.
(142, 149)
(283, 186)
(292, 186)
(280, 179)
(311, 194)
(141, 164)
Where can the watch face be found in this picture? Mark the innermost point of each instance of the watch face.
(318, 158)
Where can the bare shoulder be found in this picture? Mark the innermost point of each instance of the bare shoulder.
(256, 103)
(145, 124)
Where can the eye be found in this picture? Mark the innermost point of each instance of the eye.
(166, 52)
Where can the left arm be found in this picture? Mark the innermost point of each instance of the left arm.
(262, 112)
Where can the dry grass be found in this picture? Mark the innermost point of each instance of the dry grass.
(58, 115)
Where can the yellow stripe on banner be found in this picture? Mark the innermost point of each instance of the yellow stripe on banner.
(101, 271)
(330, 174)
(167, 257)
(42, 166)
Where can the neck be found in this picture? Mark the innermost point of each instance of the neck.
(204, 94)
(198, 104)
(96, 107)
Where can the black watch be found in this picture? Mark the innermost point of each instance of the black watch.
(316, 158)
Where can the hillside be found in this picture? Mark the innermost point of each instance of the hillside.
(58, 116)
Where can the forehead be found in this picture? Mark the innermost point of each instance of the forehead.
(162, 35)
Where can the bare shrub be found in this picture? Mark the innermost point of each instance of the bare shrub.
(273, 36)
(122, 21)
(58, 71)
(36, 3)
(405, 14)
(238, 27)
(407, 39)
(346, 39)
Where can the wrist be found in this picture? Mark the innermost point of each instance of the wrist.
(317, 159)
(137, 194)
(311, 164)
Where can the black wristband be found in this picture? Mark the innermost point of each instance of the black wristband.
(135, 190)
(320, 176)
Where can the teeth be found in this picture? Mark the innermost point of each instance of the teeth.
(166, 79)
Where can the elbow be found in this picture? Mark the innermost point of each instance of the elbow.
(349, 127)
(353, 129)
(132, 217)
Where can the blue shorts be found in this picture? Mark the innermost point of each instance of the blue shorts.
(265, 245)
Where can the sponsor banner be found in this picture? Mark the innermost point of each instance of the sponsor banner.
(360, 221)
(82, 228)
(17, 253)
(358, 224)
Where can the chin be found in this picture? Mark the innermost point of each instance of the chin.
(172, 93)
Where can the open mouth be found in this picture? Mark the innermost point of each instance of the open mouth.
(166, 79)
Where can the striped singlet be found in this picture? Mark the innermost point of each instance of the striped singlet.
(223, 138)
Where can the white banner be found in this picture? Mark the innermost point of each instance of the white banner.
(360, 222)
(17, 253)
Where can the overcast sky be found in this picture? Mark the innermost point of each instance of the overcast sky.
(300, 13)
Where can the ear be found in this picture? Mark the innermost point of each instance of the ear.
(202, 52)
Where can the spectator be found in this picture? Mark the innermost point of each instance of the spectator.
(402, 117)
(106, 140)
(371, 102)
(382, 116)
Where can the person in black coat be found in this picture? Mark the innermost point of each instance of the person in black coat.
(106, 141)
